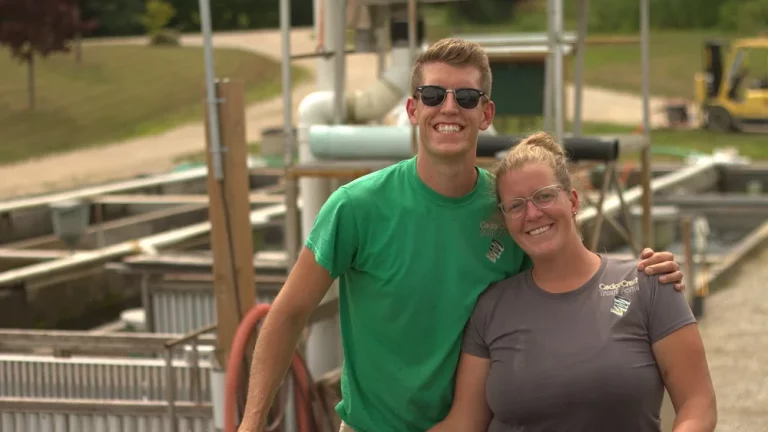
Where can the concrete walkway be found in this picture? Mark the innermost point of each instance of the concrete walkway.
(156, 153)
(735, 333)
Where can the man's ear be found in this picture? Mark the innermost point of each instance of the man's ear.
(489, 110)
(410, 108)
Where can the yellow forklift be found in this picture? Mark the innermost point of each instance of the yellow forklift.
(733, 96)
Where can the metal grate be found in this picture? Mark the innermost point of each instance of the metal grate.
(65, 422)
(31, 376)
(183, 311)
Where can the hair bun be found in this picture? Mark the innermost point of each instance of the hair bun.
(544, 141)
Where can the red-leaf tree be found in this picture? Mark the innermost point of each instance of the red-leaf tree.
(39, 27)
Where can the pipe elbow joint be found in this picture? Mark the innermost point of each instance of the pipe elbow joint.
(373, 103)
(316, 108)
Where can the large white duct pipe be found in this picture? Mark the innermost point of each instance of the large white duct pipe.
(362, 107)
(323, 349)
(321, 108)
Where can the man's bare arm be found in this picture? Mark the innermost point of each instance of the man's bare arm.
(305, 287)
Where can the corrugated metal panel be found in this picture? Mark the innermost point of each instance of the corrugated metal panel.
(179, 311)
(60, 422)
(98, 378)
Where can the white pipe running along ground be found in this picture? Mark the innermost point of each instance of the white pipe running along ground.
(362, 106)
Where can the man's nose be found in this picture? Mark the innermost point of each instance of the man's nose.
(449, 104)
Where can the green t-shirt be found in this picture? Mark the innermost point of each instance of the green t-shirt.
(411, 264)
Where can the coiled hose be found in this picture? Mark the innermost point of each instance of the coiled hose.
(303, 384)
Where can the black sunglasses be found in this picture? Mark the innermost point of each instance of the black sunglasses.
(434, 96)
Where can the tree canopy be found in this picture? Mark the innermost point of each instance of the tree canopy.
(40, 26)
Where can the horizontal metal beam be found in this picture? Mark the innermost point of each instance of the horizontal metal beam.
(119, 186)
(113, 227)
(266, 284)
(167, 261)
(710, 200)
(105, 407)
(32, 254)
(124, 199)
(87, 192)
(66, 341)
(703, 175)
(731, 263)
(150, 245)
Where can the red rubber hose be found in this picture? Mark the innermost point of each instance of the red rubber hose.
(234, 363)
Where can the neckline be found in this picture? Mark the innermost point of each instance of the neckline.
(568, 294)
(480, 185)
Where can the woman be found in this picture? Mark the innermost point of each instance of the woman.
(580, 342)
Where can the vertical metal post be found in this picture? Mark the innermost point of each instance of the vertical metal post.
(578, 79)
(323, 348)
(100, 237)
(610, 173)
(549, 68)
(339, 75)
(412, 21)
(557, 88)
(146, 300)
(196, 386)
(646, 152)
(685, 237)
(210, 89)
(170, 391)
(291, 228)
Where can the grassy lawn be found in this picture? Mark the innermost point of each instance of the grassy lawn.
(117, 92)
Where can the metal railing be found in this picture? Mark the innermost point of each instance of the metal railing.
(32, 397)
(42, 415)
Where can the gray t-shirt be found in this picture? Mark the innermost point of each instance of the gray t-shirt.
(580, 361)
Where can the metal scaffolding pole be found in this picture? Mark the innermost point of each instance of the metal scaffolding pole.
(578, 79)
(554, 113)
(646, 152)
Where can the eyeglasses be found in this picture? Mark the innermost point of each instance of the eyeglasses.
(434, 96)
(542, 198)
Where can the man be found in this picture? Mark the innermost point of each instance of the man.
(414, 245)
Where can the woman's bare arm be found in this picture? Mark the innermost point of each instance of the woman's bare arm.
(683, 364)
(469, 411)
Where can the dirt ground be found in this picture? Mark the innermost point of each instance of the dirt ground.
(156, 153)
(735, 332)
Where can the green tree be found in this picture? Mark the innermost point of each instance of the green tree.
(155, 21)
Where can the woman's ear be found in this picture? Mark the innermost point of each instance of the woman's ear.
(574, 198)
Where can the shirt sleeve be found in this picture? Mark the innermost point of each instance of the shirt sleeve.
(668, 308)
(334, 235)
(474, 331)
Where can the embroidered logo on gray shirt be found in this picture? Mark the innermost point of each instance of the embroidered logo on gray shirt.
(620, 305)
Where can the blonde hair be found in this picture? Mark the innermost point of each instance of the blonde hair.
(538, 148)
(454, 52)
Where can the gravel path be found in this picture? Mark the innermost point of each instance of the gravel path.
(152, 154)
(735, 332)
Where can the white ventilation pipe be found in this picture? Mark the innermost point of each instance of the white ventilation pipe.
(320, 108)
(362, 106)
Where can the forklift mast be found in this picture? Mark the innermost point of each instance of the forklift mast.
(713, 66)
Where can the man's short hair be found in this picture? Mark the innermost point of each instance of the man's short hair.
(455, 52)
